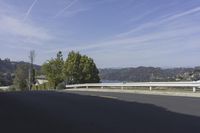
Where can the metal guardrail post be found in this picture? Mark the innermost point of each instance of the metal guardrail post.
(86, 87)
(122, 87)
(150, 88)
(194, 89)
(101, 87)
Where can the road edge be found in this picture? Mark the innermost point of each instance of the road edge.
(153, 92)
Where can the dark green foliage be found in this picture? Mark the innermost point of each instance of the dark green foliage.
(7, 70)
(89, 71)
(45, 86)
(72, 69)
(53, 70)
(76, 69)
(21, 77)
(12, 88)
(60, 86)
(7, 66)
(33, 76)
(6, 79)
(1, 79)
(80, 69)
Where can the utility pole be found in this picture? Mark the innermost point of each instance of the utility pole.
(31, 57)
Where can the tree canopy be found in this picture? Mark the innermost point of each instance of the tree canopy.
(21, 77)
(80, 69)
(53, 70)
(75, 70)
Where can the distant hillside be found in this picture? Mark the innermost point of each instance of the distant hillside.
(7, 66)
(138, 74)
(146, 74)
(7, 70)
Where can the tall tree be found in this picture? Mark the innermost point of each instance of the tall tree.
(90, 73)
(1, 79)
(21, 77)
(53, 70)
(80, 69)
(71, 68)
(31, 69)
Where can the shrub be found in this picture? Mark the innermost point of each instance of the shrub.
(12, 88)
(60, 86)
(45, 86)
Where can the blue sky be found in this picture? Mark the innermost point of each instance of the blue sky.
(115, 33)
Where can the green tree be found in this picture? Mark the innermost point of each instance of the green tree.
(1, 79)
(90, 73)
(21, 77)
(71, 68)
(53, 70)
(80, 69)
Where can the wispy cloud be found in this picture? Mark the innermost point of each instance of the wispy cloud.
(29, 10)
(141, 33)
(162, 20)
(65, 8)
(167, 32)
(191, 11)
(13, 27)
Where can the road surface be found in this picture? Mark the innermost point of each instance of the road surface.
(64, 112)
(185, 105)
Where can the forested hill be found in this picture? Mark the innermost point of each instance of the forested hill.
(7, 70)
(142, 74)
(8, 66)
(138, 74)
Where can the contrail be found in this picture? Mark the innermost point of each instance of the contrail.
(29, 10)
(68, 6)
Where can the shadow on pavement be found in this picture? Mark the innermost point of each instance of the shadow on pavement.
(56, 112)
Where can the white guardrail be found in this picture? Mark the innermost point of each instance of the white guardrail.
(4, 87)
(193, 85)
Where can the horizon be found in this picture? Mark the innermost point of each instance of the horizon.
(115, 33)
(116, 67)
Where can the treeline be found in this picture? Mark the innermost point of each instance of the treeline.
(8, 66)
(147, 74)
(7, 70)
(76, 69)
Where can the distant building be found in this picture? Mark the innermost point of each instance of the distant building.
(41, 80)
(4, 88)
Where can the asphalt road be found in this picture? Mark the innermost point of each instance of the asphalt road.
(179, 104)
(61, 112)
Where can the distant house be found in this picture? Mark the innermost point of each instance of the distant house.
(41, 80)
(4, 88)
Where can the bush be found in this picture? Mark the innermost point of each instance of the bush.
(60, 86)
(12, 88)
(44, 86)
